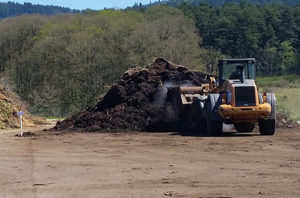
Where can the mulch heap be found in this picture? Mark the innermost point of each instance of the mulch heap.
(10, 104)
(136, 102)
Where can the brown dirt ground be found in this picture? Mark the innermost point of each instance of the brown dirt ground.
(53, 164)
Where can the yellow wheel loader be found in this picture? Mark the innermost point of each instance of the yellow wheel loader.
(231, 99)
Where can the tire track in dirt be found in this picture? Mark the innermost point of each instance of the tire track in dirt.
(32, 168)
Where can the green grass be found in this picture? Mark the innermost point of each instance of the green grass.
(288, 101)
(279, 81)
(287, 92)
(57, 118)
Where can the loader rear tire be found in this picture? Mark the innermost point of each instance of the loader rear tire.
(214, 127)
(202, 126)
(244, 127)
(267, 127)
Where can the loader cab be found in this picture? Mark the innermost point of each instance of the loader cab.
(239, 69)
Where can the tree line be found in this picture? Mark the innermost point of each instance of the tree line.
(175, 3)
(10, 9)
(268, 30)
(269, 33)
(62, 64)
(222, 2)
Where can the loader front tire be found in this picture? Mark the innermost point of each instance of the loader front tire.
(267, 127)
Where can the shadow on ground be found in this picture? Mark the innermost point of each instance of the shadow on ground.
(224, 134)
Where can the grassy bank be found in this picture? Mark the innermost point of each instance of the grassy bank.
(287, 91)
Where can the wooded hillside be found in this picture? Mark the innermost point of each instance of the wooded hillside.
(62, 64)
(270, 33)
(10, 9)
(222, 2)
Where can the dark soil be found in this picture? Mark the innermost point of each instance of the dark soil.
(283, 121)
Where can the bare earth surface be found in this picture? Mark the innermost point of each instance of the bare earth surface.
(149, 165)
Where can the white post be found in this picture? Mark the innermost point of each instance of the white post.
(21, 123)
(21, 113)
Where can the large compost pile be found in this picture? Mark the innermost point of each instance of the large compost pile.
(136, 101)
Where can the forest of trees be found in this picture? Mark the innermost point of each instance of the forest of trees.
(270, 33)
(268, 30)
(61, 64)
(175, 3)
(10, 9)
(222, 2)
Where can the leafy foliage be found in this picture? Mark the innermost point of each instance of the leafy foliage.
(62, 64)
(270, 33)
(222, 2)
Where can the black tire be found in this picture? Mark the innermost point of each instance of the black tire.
(197, 110)
(244, 127)
(267, 127)
(213, 127)
(202, 126)
(187, 125)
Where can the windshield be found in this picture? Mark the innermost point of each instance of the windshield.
(233, 70)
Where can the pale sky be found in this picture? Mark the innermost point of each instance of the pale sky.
(83, 4)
